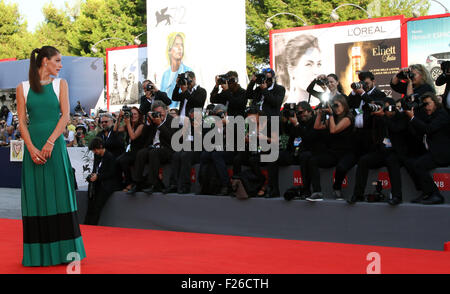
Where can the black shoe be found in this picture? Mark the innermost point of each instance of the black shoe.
(304, 193)
(355, 199)
(184, 191)
(133, 190)
(395, 201)
(316, 196)
(149, 191)
(419, 199)
(170, 189)
(435, 198)
(223, 191)
(338, 195)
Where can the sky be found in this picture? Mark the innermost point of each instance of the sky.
(32, 9)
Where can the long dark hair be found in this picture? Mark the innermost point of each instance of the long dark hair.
(140, 119)
(339, 86)
(36, 63)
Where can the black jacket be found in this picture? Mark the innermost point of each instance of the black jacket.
(441, 80)
(146, 106)
(195, 99)
(273, 99)
(418, 91)
(115, 143)
(165, 133)
(354, 101)
(396, 130)
(108, 173)
(437, 128)
(237, 101)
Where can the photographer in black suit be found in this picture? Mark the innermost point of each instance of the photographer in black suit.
(435, 128)
(158, 150)
(104, 180)
(388, 148)
(364, 94)
(113, 141)
(444, 79)
(152, 93)
(191, 95)
(232, 94)
(268, 96)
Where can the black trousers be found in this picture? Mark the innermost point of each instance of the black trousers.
(285, 158)
(155, 158)
(376, 160)
(220, 159)
(126, 161)
(181, 168)
(421, 168)
(250, 159)
(95, 205)
(342, 162)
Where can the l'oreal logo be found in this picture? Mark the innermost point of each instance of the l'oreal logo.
(364, 31)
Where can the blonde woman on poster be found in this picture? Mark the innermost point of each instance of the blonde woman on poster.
(16, 150)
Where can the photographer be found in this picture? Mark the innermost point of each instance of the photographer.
(339, 122)
(152, 94)
(134, 125)
(182, 161)
(268, 95)
(412, 82)
(435, 128)
(331, 86)
(79, 109)
(255, 179)
(112, 140)
(80, 133)
(215, 162)
(388, 148)
(6, 115)
(363, 100)
(188, 93)
(444, 79)
(232, 96)
(103, 181)
(158, 150)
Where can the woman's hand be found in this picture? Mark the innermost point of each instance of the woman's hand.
(36, 156)
(126, 120)
(47, 150)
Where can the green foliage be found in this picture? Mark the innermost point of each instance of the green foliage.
(76, 28)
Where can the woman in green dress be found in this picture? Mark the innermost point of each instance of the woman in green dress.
(51, 232)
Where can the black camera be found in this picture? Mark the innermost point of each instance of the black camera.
(223, 79)
(445, 66)
(373, 107)
(390, 108)
(289, 110)
(412, 103)
(183, 80)
(155, 114)
(322, 82)
(404, 75)
(149, 86)
(261, 78)
(220, 114)
(126, 111)
(88, 178)
(358, 85)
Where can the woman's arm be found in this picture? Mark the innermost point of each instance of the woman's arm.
(118, 120)
(318, 125)
(22, 114)
(63, 120)
(341, 126)
(134, 135)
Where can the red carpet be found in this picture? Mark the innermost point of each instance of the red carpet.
(131, 251)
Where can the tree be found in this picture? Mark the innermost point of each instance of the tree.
(14, 37)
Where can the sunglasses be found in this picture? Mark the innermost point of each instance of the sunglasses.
(104, 122)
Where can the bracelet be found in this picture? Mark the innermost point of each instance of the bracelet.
(53, 144)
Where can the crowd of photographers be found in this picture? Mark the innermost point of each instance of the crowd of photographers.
(364, 129)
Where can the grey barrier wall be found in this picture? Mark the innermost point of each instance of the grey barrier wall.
(406, 225)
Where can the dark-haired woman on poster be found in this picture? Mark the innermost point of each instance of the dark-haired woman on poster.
(49, 209)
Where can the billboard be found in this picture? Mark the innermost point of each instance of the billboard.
(195, 36)
(299, 55)
(126, 70)
(429, 43)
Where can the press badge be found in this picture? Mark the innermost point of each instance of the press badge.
(387, 143)
(297, 142)
(358, 111)
(128, 148)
